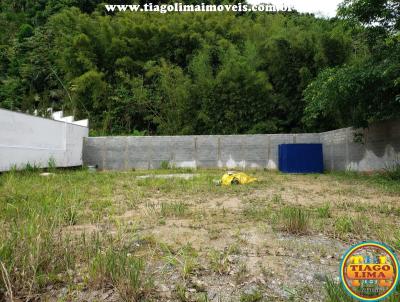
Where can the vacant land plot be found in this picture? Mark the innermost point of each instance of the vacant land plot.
(108, 236)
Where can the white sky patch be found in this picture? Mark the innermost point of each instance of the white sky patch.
(325, 8)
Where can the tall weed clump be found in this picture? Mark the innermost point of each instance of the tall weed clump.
(124, 272)
(34, 256)
(34, 249)
(295, 220)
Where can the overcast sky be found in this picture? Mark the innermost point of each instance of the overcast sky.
(325, 8)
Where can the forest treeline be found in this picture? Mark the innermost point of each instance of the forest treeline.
(201, 73)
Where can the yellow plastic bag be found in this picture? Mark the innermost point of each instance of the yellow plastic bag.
(233, 178)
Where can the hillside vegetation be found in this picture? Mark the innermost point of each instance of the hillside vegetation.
(201, 73)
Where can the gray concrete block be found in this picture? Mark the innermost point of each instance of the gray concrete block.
(114, 155)
(138, 152)
(306, 138)
(207, 151)
(339, 157)
(92, 150)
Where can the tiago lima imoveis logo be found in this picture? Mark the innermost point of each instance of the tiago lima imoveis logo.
(370, 271)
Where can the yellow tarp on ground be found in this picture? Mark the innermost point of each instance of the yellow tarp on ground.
(237, 179)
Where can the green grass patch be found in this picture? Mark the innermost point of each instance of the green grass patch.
(44, 220)
(336, 293)
(295, 220)
(324, 211)
(344, 225)
(254, 296)
(185, 259)
(384, 181)
(124, 272)
(174, 209)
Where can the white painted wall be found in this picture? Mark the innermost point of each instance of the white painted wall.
(29, 139)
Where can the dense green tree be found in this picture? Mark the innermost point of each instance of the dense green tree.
(177, 73)
(367, 89)
(384, 13)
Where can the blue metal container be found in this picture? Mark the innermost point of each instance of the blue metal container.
(301, 158)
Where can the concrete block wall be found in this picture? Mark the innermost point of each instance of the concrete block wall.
(30, 139)
(218, 151)
(380, 148)
(377, 147)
